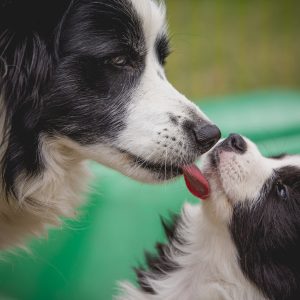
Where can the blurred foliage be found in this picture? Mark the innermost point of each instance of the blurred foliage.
(225, 46)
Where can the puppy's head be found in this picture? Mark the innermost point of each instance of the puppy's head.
(258, 198)
(106, 95)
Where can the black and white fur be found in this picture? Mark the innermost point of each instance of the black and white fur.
(243, 243)
(80, 80)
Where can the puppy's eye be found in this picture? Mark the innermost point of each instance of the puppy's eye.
(281, 190)
(119, 61)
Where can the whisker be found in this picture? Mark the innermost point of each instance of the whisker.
(138, 165)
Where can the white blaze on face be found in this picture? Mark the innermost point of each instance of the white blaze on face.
(243, 175)
(148, 125)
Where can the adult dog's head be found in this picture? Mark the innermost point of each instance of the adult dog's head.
(83, 79)
(89, 75)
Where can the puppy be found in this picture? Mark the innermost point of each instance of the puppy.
(243, 243)
(82, 80)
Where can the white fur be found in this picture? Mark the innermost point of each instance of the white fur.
(42, 201)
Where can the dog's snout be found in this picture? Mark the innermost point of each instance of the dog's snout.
(206, 136)
(236, 143)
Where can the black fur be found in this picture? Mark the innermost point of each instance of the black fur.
(162, 48)
(60, 74)
(159, 265)
(26, 46)
(269, 251)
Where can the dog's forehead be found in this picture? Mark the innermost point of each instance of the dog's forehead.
(287, 161)
(152, 15)
(288, 168)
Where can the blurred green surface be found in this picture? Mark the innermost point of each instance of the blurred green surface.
(85, 259)
(223, 47)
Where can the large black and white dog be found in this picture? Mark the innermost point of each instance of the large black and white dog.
(82, 79)
(243, 243)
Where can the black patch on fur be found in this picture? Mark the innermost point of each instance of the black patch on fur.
(88, 88)
(159, 264)
(162, 46)
(24, 17)
(60, 77)
(27, 47)
(267, 237)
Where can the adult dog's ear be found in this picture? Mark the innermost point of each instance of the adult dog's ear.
(32, 15)
(30, 24)
(29, 37)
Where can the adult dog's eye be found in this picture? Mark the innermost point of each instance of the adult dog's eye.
(119, 61)
(281, 190)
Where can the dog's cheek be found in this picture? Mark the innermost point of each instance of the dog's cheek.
(244, 175)
(88, 102)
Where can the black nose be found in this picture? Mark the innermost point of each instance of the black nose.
(206, 136)
(236, 143)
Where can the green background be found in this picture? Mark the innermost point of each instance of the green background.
(246, 49)
(229, 46)
(86, 258)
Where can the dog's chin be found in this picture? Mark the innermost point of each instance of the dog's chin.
(218, 205)
(214, 176)
(143, 170)
(131, 165)
(145, 175)
(147, 171)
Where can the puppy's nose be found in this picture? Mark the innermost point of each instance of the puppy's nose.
(206, 136)
(236, 143)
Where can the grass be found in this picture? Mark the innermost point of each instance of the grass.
(228, 46)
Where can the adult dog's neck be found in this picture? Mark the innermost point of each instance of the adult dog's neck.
(38, 201)
(40, 178)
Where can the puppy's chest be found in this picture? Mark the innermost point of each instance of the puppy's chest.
(210, 289)
(211, 268)
(209, 275)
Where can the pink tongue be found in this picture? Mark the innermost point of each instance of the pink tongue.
(196, 182)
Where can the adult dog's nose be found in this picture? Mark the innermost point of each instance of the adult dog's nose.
(206, 136)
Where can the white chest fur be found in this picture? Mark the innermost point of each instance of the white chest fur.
(209, 268)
